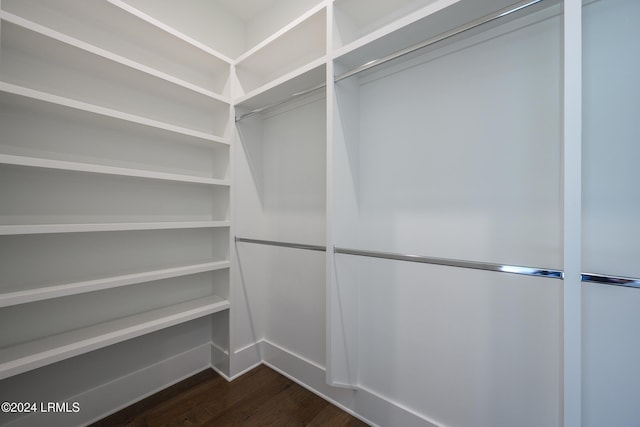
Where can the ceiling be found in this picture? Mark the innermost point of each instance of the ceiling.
(245, 9)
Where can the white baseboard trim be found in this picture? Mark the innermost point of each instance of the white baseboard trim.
(245, 359)
(363, 404)
(122, 392)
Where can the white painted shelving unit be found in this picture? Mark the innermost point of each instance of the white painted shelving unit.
(115, 159)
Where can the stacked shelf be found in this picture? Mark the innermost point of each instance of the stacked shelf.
(158, 49)
(34, 354)
(114, 157)
(282, 56)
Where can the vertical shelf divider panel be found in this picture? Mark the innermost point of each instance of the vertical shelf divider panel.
(343, 187)
(572, 367)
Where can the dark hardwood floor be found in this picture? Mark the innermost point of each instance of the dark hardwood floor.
(261, 397)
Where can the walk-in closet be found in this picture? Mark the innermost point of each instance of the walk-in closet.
(423, 211)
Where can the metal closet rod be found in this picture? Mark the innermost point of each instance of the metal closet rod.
(475, 265)
(446, 35)
(529, 271)
(282, 244)
(602, 279)
(284, 101)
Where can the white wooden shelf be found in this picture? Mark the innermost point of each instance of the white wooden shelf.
(432, 20)
(106, 170)
(127, 32)
(358, 22)
(307, 77)
(63, 69)
(108, 112)
(60, 290)
(7, 230)
(300, 43)
(49, 33)
(169, 30)
(34, 354)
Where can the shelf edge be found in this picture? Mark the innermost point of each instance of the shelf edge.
(140, 324)
(108, 112)
(63, 165)
(8, 230)
(74, 288)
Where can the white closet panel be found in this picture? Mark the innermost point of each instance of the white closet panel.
(611, 133)
(462, 158)
(453, 152)
(461, 347)
(284, 151)
(286, 292)
(610, 211)
(281, 174)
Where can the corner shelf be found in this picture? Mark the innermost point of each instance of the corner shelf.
(303, 79)
(7, 230)
(34, 354)
(106, 170)
(293, 47)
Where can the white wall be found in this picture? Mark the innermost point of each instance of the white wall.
(611, 380)
(280, 179)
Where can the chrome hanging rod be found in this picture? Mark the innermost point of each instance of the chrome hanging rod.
(282, 244)
(527, 271)
(446, 35)
(284, 101)
(611, 280)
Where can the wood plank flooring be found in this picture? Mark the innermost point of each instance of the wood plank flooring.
(261, 397)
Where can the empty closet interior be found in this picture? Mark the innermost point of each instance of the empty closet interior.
(422, 210)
